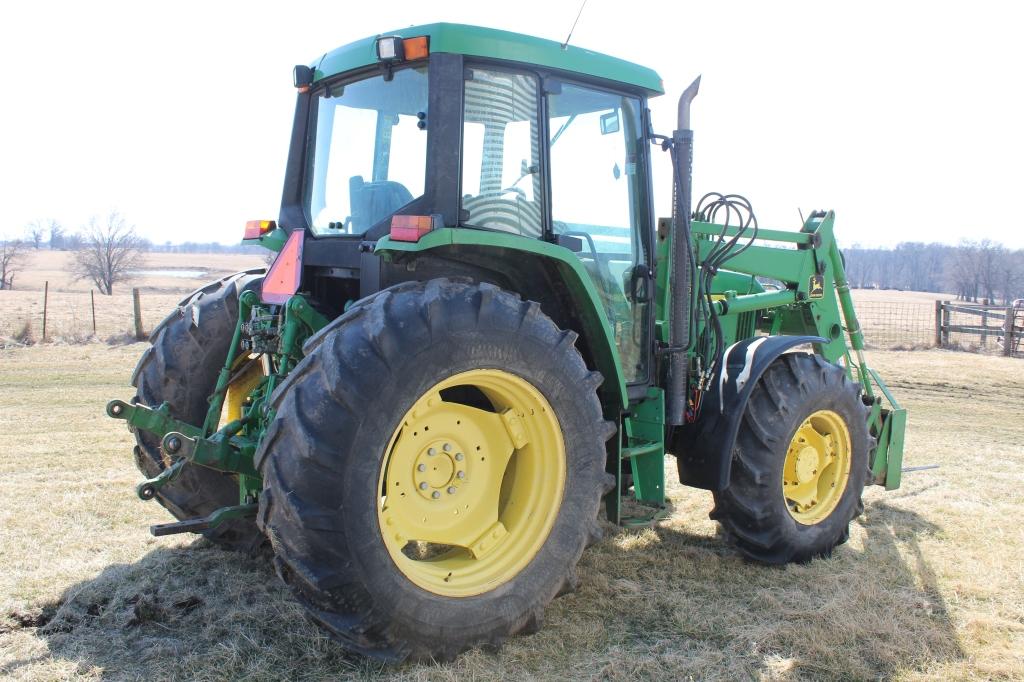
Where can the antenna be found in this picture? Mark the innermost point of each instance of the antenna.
(569, 37)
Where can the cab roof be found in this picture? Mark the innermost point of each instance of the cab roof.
(491, 43)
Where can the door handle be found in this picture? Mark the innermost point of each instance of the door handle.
(640, 283)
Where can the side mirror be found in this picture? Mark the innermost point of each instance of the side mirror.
(610, 122)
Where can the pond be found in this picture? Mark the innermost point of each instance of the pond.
(185, 274)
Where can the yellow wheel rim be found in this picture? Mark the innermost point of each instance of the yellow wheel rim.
(471, 483)
(817, 467)
(248, 375)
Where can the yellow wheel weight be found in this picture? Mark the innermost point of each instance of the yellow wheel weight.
(817, 467)
(468, 496)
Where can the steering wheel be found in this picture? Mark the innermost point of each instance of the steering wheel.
(515, 190)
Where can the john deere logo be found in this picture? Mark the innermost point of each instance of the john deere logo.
(817, 287)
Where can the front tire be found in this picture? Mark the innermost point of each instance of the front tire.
(376, 484)
(799, 465)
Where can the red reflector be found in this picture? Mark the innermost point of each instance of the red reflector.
(416, 48)
(254, 229)
(409, 228)
(283, 279)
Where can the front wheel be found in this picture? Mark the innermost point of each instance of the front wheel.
(799, 465)
(434, 470)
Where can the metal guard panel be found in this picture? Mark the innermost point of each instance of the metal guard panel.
(588, 302)
(703, 449)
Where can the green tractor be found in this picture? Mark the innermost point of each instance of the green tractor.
(476, 338)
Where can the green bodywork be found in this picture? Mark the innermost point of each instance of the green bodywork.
(494, 44)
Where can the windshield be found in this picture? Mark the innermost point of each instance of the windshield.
(369, 154)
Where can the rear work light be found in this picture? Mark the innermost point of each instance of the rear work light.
(254, 229)
(285, 275)
(397, 49)
(409, 228)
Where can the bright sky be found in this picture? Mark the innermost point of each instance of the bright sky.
(904, 117)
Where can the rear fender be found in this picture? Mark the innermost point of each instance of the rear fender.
(575, 293)
(703, 449)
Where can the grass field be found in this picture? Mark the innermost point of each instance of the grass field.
(930, 586)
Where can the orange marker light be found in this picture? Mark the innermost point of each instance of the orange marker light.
(416, 48)
(409, 228)
(254, 229)
(285, 274)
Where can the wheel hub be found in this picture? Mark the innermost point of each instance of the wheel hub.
(817, 467)
(806, 464)
(440, 469)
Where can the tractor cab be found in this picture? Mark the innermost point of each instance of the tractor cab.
(446, 126)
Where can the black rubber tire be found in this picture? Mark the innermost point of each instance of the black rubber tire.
(336, 413)
(181, 367)
(751, 510)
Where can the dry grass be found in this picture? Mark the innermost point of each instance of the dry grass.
(931, 585)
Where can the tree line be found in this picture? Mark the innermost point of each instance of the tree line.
(974, 271)
(106, 251)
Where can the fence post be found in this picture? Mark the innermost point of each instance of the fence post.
(92, 300)
(984, 328)
(945, 324)
(938, 323)
(1008, 331)
(46, 298)
(137, 303)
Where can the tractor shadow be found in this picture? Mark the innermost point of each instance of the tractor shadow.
(874, 607)
(685, 603)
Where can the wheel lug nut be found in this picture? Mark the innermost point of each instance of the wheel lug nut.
(431, 452)
(447, 447)
(423, 485)
(461, 474)
(458, 456)
(451, 490)
(436, 495)
(421, 467)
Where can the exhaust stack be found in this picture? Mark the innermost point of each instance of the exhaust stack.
(682, 267)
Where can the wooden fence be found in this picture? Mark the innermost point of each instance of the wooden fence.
(980, 327)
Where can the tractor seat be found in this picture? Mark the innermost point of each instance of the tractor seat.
(372, 202)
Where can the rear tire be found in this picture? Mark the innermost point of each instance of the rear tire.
(346, 410)
(755, 514)
(180, 367)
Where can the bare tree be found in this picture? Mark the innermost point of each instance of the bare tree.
(12, 257)
(109, 252)
(35, 231)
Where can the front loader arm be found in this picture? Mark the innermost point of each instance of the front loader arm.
(814, 301)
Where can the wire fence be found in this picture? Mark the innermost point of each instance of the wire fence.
(70, 315)
(887, 325)
(897, 326)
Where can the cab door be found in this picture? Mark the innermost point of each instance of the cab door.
(599, 195)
